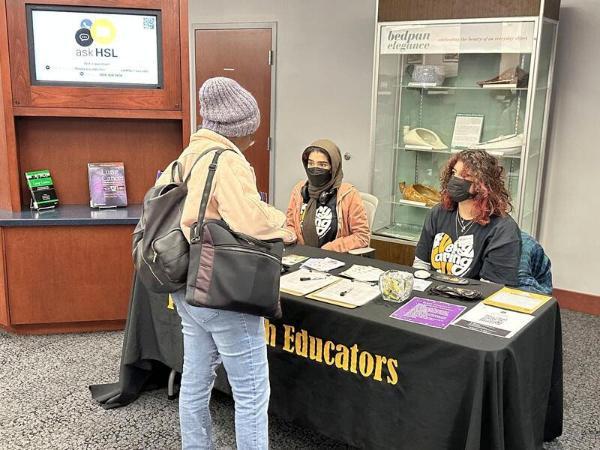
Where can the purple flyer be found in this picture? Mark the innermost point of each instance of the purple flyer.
(107, 184)
(431, 313)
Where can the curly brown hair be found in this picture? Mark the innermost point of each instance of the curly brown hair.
(491, 196)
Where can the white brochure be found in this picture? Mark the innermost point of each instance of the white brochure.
(322, 264)
(347, 293)
(492, 320)
(367, 274)
(303, 281)
(421, 285)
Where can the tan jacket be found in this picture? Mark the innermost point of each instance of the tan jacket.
(353, 225)
(234, 197)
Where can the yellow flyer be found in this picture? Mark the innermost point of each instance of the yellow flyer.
(516, 300)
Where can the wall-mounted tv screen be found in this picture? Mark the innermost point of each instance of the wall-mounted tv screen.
(77, 46)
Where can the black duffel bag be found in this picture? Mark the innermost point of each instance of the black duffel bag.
(230, 270)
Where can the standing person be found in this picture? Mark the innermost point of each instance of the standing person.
(230, 119)
(470, 234)
(324, 211)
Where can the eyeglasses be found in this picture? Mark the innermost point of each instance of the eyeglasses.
(319, 164)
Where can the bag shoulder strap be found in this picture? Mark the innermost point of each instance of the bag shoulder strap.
(195, 230)
(205, 152)
(176, 169)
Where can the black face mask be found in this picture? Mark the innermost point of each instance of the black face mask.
(318, 177)
(458, 189)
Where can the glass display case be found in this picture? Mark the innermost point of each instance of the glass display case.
(444, 86)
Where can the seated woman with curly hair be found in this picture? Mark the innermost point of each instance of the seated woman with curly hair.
(470, 234)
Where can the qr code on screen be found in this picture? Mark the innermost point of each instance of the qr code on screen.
(149, 23)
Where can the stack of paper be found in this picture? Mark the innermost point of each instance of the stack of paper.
(366, 274)
(346, 293)
(322, 264)
(292, 260)
(303, 282)
(525, 302)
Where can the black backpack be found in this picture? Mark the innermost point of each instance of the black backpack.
(160, 249)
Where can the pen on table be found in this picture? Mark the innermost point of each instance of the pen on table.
(347, 291)
(311, 278)
(370, 283)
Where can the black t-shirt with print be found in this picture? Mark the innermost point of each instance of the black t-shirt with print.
(491, 251)
(326, 220)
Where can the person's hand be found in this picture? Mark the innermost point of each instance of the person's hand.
(290, 238)
(327, 247)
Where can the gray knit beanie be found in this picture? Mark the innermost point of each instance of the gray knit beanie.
(227, 108)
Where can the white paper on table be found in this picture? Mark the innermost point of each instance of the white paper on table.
(367, 274)
(491, 320)
(291, 260)
(421, 285)
(292, 284)
(323, 264)
(355, 293)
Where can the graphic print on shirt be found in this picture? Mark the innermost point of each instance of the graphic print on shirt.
(452, 258)
(323, 220)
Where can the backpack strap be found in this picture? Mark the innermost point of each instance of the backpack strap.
(196, 227)
(176, 166)
(177, 169)
(212, 149)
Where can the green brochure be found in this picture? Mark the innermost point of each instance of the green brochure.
(41, 186)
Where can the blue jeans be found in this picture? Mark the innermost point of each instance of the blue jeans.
(209, 336)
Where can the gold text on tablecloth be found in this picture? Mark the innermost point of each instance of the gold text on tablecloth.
(344, 357)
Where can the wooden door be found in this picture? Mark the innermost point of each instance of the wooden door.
(243, 55)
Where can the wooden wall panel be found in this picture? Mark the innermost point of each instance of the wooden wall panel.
(66, 279)
(7, 132)
(4, 316)
(9, 194)
(167, 98)
(185, 73)
(65, 146)
(405, 10)
(69, 327)
(68, 274)
(578, 301)
(394, 252)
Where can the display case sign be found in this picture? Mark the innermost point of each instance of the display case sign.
(98, 46)
(479, 37)
(467, 130)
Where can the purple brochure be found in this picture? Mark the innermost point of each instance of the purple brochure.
(107, 184)
(431, 313)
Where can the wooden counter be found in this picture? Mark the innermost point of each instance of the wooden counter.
(65, 270)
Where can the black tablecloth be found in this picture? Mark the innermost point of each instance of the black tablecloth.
(366, 379)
